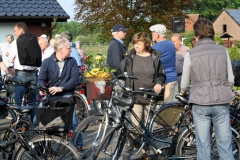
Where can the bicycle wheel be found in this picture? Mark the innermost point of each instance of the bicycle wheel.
(82, 111)
(22, 126)
(186, 145)
(93, 135)
(112, 145)
(48, 147)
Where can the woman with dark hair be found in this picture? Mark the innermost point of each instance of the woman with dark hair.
(143, 62)
(211, 79)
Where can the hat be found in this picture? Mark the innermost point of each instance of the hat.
(43, 36)
(159, 28)
(57, 35)
(119, 27)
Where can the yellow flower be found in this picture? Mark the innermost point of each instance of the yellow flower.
(98, 57)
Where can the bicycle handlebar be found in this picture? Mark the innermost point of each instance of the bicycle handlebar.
(10, 80)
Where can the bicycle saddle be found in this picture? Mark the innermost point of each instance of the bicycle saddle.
(21, 109)
(184, 99)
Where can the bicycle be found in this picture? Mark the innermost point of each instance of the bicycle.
(49, 139)
(113, 143)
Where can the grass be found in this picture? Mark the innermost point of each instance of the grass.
(95, 49)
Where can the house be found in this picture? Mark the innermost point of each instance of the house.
(37, 14)
(228, 23)
(190, 20)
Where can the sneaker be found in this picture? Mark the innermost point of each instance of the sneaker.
(79, 148)
(70, 133)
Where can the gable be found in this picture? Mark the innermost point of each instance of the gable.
(31, 10)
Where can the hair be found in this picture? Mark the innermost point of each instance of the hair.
(43, 38)
(78, 43)
(203, 28)
(23, 26)
(67, 35)
(60, 43)
(10, 35)
(52, 42)
(143, 37)
(178, 36)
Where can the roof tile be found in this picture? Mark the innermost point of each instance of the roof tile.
(235, 13)
(34, 8)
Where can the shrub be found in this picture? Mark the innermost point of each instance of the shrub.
(236, 43)
(234, 54)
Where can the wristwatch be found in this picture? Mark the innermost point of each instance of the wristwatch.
(62, 88)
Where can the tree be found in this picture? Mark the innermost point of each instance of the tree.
(137, 15)
(211, 8)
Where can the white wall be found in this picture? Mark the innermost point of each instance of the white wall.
(5, 28)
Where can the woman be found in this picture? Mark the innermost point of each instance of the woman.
(143, 62)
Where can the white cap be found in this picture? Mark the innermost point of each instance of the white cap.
(43, 36)
(159, 28)
(57, 35)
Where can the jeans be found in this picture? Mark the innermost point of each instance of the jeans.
(203, 116)
(74, 126)
(29, 79)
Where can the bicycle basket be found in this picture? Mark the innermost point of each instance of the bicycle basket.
(54, 119)
(98, 89)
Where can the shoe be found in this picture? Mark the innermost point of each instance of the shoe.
(79, 148)
(126, 157)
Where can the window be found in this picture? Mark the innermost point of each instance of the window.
(224, 28)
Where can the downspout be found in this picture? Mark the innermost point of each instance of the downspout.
(53, 26)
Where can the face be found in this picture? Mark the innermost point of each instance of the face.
(9, 39)
(66, 51)
(42, 43)
(154, 36)
(139, 47)
(18, 31)
(121, 34)
(176, 42)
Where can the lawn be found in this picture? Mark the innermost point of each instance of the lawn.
(95, 49)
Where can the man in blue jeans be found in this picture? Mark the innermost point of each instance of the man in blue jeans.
(209, 67)
(61, 73)
(24, 73)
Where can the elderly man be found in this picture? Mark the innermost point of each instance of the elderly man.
(168, 59)
(46, 48)
(180, 53)
(10, 39)
(116, 47)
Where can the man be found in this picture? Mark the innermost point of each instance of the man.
(168, 60)
(116, 47)
(46, 48)
(74, 52)
(60, 72)
(211, 78)
(180, 53)
(10, 39)
(25, 73)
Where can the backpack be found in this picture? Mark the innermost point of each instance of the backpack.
(29, 51)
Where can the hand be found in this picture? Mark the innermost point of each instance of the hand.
(54, 90)
(42, 93)
(157, 88)
(9, 76)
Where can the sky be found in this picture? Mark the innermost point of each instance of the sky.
(68, 6)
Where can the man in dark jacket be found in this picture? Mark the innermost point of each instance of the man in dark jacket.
(116, 47)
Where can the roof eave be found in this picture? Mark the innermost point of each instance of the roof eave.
(32, 18)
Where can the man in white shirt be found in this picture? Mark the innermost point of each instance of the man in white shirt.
(10, 39)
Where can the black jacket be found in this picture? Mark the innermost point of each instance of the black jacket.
(126, 66)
